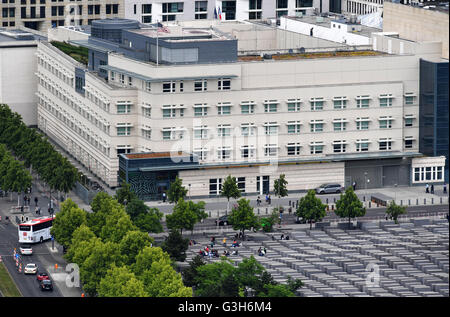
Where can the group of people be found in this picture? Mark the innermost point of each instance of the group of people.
(430, 189)
(268, 200)
(282, 237)
(262, 251)
(210, 252)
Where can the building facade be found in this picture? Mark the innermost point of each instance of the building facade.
(152, 11)
(343, 117)
(44, 14)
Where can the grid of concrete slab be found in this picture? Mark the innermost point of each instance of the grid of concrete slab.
(412, 258)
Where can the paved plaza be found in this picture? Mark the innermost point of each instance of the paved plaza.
(412, 258)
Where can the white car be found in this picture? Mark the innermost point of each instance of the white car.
(26, 250)
(30, 268)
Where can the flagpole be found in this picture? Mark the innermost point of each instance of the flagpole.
(157, 43)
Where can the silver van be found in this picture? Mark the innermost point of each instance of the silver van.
(329, 189)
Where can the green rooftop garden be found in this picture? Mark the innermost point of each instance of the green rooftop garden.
(78, 53)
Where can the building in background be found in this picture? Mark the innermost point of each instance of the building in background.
(152, 11)
(17, 68)
(427, 22)
(44, 14)
(235, 98)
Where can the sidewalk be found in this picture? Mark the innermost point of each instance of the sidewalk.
(413, 196)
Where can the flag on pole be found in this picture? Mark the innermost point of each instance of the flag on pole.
(220, 14)
(215, 13)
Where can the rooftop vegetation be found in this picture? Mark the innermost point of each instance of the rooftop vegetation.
(78, 53)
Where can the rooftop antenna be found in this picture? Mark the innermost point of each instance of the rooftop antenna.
(157, 43)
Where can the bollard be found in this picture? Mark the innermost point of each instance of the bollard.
(334, 199)
(364, 198)
(56, 266)
(210, 214)
(432, 200)
(441, 200)
(370, 204)
(417, 202)
(332, 207)
(409, 202)
(328, 208)
(267, 211)
(401, 202)
(217, 214)
(258, 211)
(289, 203)
(424, 201)
(327, 201)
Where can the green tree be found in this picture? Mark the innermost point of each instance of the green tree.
(153, 267)
(349, 206)
(311, 208)
(190, 273)
(276, 290)
(230, 190)
(217, 280)
(145, 218)
(132, 243)
(185, 215)
(82, 239)
(394, 210)
(125, 194)
(101, 258)
(117, 225)
(176, 191)
(17, 178)
(280, 188)
(267, 223)
(243, 217)
(120, 282)
(67, 221)
(176, 246)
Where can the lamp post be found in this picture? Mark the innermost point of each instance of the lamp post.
(365, 180)
(189, 191)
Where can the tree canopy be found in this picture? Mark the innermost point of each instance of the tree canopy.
(230, 190)
(394, 211)
(243, 217)
(311, 208)
(349, 206)
(176, 191)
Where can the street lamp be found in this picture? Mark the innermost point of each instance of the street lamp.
(189, 191)
(365, 180)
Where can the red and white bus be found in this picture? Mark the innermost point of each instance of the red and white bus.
(36, 230)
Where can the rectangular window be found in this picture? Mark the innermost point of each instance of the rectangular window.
(201, 153)
(293, 105)
(316, 126)
(224, 153)
(339, 125)
(248, 129)
(385, 123)
(247, 107)
(340, 102)
(200, 111)
(224, 84)
(247, 151)
(201, 85)
(385, 144)
(146, 110)
(271, 128)
(386, 100)
(409, 100)
(169, 86)
(241, 184)
(123, 130)
(362, 101)
(175, 7)
(200, 133)
(409, 144)
(339, 147)
(362, 124)
(316, 148)
(293, 149)
(270, 150)
(123, 108)
(316, 104)
(362, 145)
(148, 86)
(215, 186)
(224, 130)
(293, 127)
(270, 107)
(146, 8)
(223, 109)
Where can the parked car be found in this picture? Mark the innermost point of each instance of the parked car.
(223, 221)
(30, 268)
(46, 285)
(42, 276)
(25, 249)
(299, 220)
(329, 189)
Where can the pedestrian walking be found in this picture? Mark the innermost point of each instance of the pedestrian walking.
(445, 188)
(224, 242)
(36, 200)
(164, 197)
(270, 200)
(427, 189)
(354, 185)
(432, 188)
(258, 201)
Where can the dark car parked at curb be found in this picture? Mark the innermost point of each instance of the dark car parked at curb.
(46, 285)
(223, 221)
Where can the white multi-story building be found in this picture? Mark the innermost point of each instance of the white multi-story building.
(334, 116)
(152, 11)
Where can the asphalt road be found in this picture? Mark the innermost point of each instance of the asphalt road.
(27, 284)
